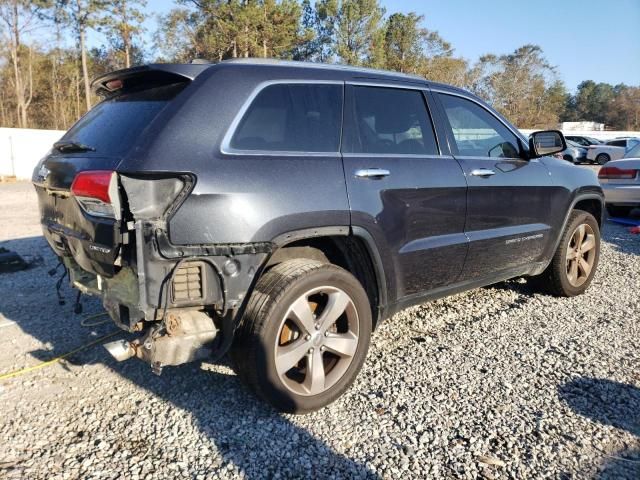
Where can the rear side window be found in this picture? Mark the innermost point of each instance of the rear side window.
(113, 126)
(478, 133)
(292, 118)
(617, 143)
(390, 121)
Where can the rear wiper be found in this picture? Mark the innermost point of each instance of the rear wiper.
(72, 146)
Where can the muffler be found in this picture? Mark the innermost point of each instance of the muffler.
(184, 336)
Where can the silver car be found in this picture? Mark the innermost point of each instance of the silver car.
(620, 180)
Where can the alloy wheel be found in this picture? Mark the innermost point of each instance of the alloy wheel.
(316, 341)
(581, 254)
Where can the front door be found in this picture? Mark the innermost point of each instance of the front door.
(408, 196)
(509, 207)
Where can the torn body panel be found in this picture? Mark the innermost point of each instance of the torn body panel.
(198, 286)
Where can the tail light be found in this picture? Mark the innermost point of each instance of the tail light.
(97, 192)
(617, 173)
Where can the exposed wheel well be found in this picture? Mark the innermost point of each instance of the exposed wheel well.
(593, 206)
(348, 252)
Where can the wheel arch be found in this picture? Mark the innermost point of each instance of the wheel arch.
(591, 202)
(347, 248)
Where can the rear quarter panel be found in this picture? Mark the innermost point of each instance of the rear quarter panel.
(238, 198)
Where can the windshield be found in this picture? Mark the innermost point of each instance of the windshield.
(112, 127)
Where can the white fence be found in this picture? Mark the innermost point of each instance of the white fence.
(21, 148)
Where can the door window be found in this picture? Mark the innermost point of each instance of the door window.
(477, 132)
(389, 121)
(292, 118)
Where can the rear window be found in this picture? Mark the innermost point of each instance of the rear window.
(292, 118)
(114, 125)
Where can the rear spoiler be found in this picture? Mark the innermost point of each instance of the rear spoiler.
(152, 74)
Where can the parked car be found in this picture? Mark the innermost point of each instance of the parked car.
(574, 153)
(611, 149)
(584, 141)
(281, 210)
(620, 180)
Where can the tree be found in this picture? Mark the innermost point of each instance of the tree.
(592, 100)
(20, 17)
(308, 47)
(81, 15)
(520, 86)
(356, 29)
(404, 42)
(623, 113)
(122, 22)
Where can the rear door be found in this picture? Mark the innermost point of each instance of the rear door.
(402, 190)
(509, 208)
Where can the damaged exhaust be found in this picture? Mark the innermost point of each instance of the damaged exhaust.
(185, 336)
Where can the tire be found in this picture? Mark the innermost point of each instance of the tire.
(271, 335)
(618, 211)
(559, 278)
(602, 158)
(568, 158)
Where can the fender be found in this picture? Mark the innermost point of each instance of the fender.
(578, 198)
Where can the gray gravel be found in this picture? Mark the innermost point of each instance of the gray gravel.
(493, 383)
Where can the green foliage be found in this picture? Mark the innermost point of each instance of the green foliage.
(46, 85)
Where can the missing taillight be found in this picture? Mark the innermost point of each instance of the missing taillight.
(97, 192)
(617, 173)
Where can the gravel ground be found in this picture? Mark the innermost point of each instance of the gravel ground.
(493, 383)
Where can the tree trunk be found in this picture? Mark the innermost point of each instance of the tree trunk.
(85, 69)
(126, 38)
(17, 75)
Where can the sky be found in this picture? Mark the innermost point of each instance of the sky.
(585, 39)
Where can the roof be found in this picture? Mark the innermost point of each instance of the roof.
(188, 71)
(324, 66)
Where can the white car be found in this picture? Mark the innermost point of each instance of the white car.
(611, 149)
(620, 181)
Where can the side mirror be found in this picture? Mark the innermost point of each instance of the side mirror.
(546, 142)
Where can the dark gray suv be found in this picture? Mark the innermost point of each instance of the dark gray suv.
(279, 211)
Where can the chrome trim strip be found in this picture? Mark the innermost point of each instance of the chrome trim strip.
(425, 156)
(225, 146)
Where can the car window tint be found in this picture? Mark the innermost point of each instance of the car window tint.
(114, 125)
(617, 143)
(292, 118)
(478, 133)
(390, 121)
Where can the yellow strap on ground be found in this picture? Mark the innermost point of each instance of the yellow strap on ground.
(17, 373)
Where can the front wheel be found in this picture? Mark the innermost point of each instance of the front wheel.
(575, 261)
(602, 158)
(304, 335)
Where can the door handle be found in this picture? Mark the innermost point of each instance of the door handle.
(372, 173)
(482, 172)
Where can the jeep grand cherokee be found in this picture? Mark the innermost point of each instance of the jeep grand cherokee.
(279, 211)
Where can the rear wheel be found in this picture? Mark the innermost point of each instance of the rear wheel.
(304, 336)
(602, 158)
(574, 264)
(618, 211)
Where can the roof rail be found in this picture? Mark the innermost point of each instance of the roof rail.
(327, 66)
